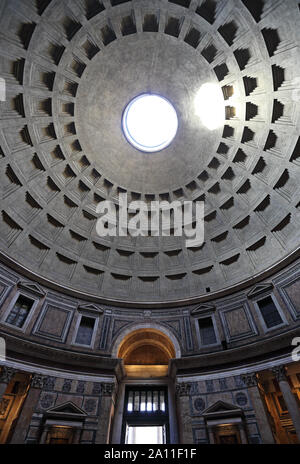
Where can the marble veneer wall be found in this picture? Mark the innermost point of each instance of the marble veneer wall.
(53, 320)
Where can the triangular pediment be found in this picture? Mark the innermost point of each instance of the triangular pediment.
(67, 409)
(221, 407)
(259, 289)
(31, 287)
(90, 307)
(203, 308)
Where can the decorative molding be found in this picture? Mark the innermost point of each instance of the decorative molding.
(279, 373)
(283, 283)
(188, 333)
(250, 380)
(175, 326)
(80, 387)
(243, 308)
(203, 308)
(221, 409)
(241, 399)
(104, 332)
(259, 289)
(32, 288)
(49, 383)
(68, 409)
(103, 388)
(51, 305)
(66, 388)
(209, 383)
(47, 400)
(183, 389)
(118, 325)
(8, 282)
(96, 388)
(107, 389)
(7, 374)
(60, 356)
(198, 405)
(91, 308)
(90, 405)
(38, 381)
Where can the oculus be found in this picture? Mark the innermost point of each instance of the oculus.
(149, 122)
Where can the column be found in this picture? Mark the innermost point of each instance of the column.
(44, 434)
(251, 381)
(290, 400)
(174, 438)
(11, 422)
(6, 375)
(29, 405)
(242, 434)
(107, 411)
(211, 434)
(118, 415)
(183, 406)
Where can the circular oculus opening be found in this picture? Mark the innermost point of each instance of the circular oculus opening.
(150, 122)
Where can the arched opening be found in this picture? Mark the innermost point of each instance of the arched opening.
(146, 353)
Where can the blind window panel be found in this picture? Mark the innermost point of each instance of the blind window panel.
(207, 331)
(85, 331)
(20, 311)
(269, 312)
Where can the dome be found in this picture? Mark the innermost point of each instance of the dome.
(71, 71)
(149, 223)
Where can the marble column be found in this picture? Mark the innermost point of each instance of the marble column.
(173, 420)
(251, 381)
(289, 398)
(6, 375)
(29, 405)
(183, 406)
(103, 435)
(242, 434)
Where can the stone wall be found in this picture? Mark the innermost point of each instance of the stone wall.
(54, 317)
(94, 399)
(203, 394)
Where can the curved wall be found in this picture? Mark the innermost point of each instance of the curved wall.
(240, 330)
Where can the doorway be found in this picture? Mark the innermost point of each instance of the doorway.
(145, 435)
(145, 415)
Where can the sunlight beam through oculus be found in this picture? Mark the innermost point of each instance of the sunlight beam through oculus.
(210, 106)
(150, 122)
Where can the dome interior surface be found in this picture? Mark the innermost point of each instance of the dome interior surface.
(70, 70)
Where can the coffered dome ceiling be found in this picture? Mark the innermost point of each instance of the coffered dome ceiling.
(71, 67)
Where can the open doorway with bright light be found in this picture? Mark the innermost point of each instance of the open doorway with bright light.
(146, 415)
(145, 435)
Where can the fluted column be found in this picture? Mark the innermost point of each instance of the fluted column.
(6, 375)
(251, 381)
(290, 400)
